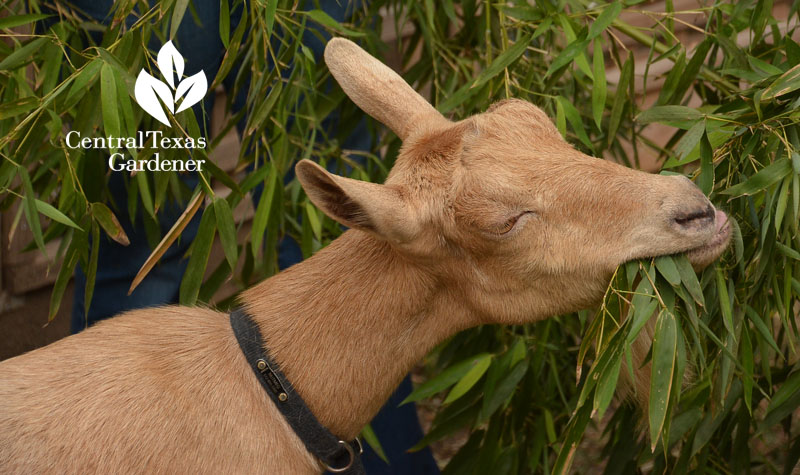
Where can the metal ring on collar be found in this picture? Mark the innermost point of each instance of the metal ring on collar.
(349, 464)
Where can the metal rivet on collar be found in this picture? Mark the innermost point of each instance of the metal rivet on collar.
(261, 364)
(282, 397)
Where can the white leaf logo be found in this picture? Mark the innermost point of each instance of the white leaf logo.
(149, 90)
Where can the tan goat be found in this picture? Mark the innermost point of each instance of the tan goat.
(493, 219)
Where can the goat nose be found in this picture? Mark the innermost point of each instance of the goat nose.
(696, 218)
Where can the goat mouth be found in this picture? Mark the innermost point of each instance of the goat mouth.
(706, 253)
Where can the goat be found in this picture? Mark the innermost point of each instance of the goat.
(492, 219)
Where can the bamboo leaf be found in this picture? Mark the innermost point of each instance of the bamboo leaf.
(201, 249)
(21, 55)
(177, 16)
(325, 20)
(668, 114)
(574, 118)
(31, 214)
(607, 16)
(689, 278)
(469, 380)
(504, 60)
(108, 105)
(19, 20)
(445, 379)
(227, 231)
(724, 301)
(64, 275)
(762, 180)
(599, 88)
(54, 214)
(621, 98)
(91, 271)
(663, 366)
(372, 439)
(167, 240)
(225, 22)
(666, 266)
(786, 83)
(705, 181)
(567, 55)
(110, 223)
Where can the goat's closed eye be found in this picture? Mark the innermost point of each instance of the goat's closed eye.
(512, 222)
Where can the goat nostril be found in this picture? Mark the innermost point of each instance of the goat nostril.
(696, 217)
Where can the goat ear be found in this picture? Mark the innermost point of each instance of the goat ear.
(379, 209)
(378, 90)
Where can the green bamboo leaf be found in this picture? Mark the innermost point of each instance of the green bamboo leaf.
(324, 19)
(762, 180)
(663, 366)
(264, 107)
(201, 249)
(372, 439)
(606, 386)
(21, 55)
(108, 104)
(643, 305)
(86, 75)
(225, 22)
(747, 367)
(789, 388)
(313, 220)
(19, 20)
(599, 88)
(177, 16)
(504, 60)
(54, 214)
(666, 266)
(561, 119)
(724, 301)
(14, 108)
(738, 242)
(263, 210)
(227, 230)
(31, 214)
(445, 379)
(469, 380)
(621, 98)
(783, 199)
(232, 51)
(269, 15)
(64, 275)
(787, 251)
(567, 55)
(689, 278)
(110, 223)
(124, 104)
(91, 270)
(502, 391)
(786, 83)
(144, 194)
(573, 435)
(574, 118)
(672, 80)
(607, 16)
(705, 180)
(549, 426)
(668, 114)
(690, 140)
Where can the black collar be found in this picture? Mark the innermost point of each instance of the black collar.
(335, 454)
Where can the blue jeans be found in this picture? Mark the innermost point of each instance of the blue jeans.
(396, 427)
